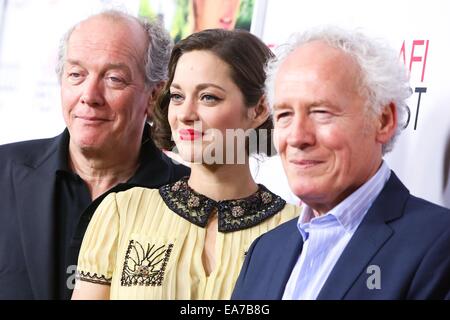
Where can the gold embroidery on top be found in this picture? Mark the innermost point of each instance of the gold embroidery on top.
(145, 266)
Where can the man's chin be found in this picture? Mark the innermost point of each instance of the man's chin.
(89, 144)
(305, 190)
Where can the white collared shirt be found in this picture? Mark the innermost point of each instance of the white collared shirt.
(325, 237)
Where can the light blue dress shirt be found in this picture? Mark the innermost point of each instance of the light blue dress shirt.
(326, 237)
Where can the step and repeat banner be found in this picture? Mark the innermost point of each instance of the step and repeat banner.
(29, 92)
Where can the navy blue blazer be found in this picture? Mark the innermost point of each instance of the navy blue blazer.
(27, 212)
(407, 237)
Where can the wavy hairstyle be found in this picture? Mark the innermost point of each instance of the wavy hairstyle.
(246, 57)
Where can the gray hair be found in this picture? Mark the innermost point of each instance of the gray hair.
(383, 78)
(158, 51)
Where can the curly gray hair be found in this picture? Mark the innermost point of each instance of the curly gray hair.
(158, 51)
(383, 78)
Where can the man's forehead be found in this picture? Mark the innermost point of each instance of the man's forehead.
(100, 35)
(102, 19)
(312, 64)
(106, 29)
(316, 53)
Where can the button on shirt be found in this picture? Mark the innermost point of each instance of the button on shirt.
(325, 238)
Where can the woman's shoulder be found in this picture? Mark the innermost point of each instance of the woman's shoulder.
(140, 206)
(137, 194)
(137, 199)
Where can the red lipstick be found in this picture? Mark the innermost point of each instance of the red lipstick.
(189, 134)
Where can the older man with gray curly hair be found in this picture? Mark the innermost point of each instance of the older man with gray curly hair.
(111, 67)
(338, 101)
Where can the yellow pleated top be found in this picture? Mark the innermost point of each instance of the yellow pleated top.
(146, 250)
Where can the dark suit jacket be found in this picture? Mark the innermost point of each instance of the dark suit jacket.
(27, 212)
(407, 237)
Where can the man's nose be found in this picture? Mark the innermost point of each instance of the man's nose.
(302, 134)
(92, 94)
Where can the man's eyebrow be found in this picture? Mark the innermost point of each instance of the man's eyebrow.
(321, 103)
(74, 62)
(121, 66)
(108, 66)
(310, 104)
(281, 106)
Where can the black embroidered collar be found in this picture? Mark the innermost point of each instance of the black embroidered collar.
(233, 214)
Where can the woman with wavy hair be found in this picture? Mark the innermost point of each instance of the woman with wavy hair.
(188, 239)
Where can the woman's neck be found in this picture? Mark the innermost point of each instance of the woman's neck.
(224, 182)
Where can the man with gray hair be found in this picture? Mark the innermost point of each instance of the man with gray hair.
(339, 102)
(111, 67)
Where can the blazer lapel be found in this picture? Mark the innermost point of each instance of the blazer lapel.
(35, 193)
(367, 240)
(286, 259)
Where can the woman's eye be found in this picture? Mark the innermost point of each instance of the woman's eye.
(208, 98)
(175, 97)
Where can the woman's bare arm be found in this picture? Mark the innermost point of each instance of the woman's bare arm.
(90, 291)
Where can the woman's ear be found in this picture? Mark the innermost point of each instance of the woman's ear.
(387, 123)
(259, 113)
(154, 93)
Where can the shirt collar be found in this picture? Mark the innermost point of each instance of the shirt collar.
(149, 153)
(350, 212)
(233, 215)
(62, 153)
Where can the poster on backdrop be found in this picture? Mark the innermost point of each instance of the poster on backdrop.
(421, 34)
(184, 17)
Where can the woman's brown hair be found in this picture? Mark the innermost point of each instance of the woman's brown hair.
(246, 57)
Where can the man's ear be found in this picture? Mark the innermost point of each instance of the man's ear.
(387, 123)
(154, 93)
(259, 113)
